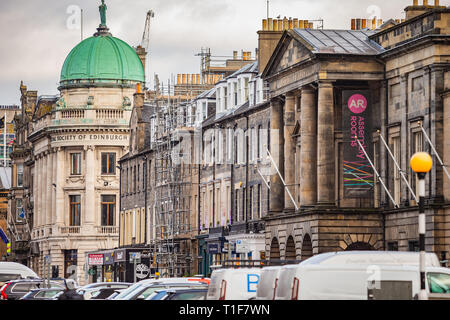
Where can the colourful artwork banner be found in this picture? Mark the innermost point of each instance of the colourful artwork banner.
(358, 174)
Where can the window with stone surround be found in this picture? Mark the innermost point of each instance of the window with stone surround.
(394, 174)
(108, 207)
(19, 208)
(20, 175)
(416, 145)
(75, 163)
(108, 163)
(75, 210)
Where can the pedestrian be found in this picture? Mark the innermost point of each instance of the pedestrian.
(70, 293)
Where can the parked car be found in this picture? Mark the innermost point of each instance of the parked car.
(16, 289)
(361, 275)
(13, 271)
(234, 284)
(101, 291)
(142, 289)
(179, 294)
(42, 294)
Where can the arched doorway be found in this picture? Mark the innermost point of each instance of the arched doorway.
(307, 251)
(360, 246)
(274, 250)
(290, 249)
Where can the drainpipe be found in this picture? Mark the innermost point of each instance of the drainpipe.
(246, 172)
(145, 197)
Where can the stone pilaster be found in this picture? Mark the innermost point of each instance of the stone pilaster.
(49, 188)
(89, 201)
(325, 145)
(277, 151)
(446, 153)
(289, 149)
(308, 153)
(59, 208)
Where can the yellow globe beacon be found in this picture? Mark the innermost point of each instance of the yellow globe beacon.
(421, 162)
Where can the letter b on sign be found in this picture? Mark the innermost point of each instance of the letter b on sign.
(252, 282)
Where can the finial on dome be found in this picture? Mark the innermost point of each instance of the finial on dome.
(102, 28)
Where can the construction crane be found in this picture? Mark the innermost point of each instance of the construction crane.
(146, 36)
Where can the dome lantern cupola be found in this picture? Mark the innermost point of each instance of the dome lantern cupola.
(102, 60)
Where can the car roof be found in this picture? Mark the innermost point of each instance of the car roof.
(371, 257)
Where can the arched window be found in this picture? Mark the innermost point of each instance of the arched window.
(274, 250)
(290, 249)
(306, 247)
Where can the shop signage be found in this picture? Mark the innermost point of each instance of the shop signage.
(135, 257)
(242, 246)
(95, 259)
(358, 175)
(142, 271)
(108, 258)
(119, 256)
(213, 248)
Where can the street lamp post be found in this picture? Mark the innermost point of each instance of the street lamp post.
(421, 163)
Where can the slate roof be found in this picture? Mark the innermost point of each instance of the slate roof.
(340, 41)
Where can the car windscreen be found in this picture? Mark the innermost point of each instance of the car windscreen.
(4, 277)
(128, 292)
(439, 282)
(197, 295)
(145, 293)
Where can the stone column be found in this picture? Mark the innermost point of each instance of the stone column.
(289, 149)
(325, 145)
(42, 181)
(277, 151)
(89, 200)
(54, 178)
(446, 124)
(308, 153)
(37, 194)
(60, 209)
(49, 188)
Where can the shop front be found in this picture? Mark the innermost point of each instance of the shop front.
(132, 264)
(216, 247)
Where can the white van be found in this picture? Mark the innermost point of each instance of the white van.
(234, 284)
(12, 271)
(362, 275)
(268, 283)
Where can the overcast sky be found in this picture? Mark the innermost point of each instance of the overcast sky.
(37, 35)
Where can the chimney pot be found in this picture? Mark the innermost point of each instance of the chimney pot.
(415, 3)
(425, 2)
(436, 3)
(264, 23)
(270, 23)
(295, 23)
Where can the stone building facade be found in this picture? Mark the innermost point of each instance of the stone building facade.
(76, 141)
(403, 69)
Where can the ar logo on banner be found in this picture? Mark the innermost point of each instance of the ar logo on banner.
(357, 103)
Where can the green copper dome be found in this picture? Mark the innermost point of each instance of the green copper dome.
(102, 58)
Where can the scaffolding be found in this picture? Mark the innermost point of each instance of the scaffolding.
(173, 187)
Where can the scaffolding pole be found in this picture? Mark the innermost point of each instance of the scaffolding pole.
(282, 180)
(402, 173)
(376, 172)
(444, 167)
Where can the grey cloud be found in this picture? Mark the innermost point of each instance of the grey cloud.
(35, 39)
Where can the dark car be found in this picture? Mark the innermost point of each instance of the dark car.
(16, 289)
(42, 294)
(179, 294)
(101, 290)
